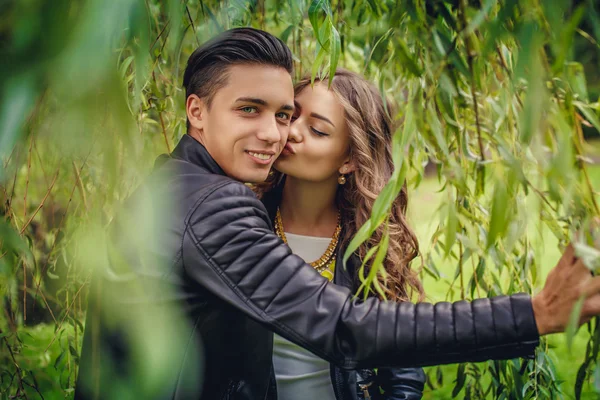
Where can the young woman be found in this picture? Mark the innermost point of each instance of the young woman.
(337, 159)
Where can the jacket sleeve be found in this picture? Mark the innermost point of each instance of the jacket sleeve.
(230, 250)
(401, 383)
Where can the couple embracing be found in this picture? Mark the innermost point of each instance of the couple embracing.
(254, 275)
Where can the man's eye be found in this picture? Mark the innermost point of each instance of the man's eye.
(283, 115)
(249, 110)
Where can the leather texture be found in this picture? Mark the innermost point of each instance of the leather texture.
(234, 281)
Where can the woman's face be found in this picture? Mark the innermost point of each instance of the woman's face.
(318, 144)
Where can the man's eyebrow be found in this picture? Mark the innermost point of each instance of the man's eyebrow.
(323, 118)
(254, 100)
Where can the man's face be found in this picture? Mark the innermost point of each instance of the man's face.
(247, 124)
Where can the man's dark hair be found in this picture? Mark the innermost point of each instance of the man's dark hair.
(207, 67)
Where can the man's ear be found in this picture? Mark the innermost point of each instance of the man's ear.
(347, 167)
(195, 109)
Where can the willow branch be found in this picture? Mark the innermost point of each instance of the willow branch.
(41, 204)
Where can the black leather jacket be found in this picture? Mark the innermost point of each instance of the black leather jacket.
(219, 266)
(397, 383)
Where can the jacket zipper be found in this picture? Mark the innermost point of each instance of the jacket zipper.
(232, 389)
(337, 383)
(365, 389)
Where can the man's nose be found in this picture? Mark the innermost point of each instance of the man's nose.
(269, 132)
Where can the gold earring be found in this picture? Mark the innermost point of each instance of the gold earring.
(342, 179)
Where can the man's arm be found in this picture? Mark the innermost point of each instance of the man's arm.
(401, 383)
(230, 250)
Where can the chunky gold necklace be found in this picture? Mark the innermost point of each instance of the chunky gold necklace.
(328, 258)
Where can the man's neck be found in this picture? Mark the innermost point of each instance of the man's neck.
(308, 208)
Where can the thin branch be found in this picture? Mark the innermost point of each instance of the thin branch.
(583, 167)
(60, 225)
(9, 157)
(187, 10)
(67, 312)
(472, 85)
(24, 291)
(475, 279)
(10, 316)
(164, 131)
(33, 386)
(27, 180)
(505, 67)
(12, 194)
(79, 184)
(47, 263)
(12, 355)
(35, 148)
(460, 266)
(159, 35)
(41, 204)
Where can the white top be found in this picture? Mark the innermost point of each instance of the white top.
(301, 375)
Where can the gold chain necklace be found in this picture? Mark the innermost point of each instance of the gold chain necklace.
(328, 258)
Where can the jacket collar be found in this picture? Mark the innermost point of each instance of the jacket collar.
(190, 150)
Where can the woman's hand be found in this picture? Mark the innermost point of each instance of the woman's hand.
(566, 283)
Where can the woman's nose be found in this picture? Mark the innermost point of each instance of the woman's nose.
(295, 135)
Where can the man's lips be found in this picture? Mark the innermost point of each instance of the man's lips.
(261, 156)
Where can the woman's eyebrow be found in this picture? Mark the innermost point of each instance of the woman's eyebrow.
(323, 118)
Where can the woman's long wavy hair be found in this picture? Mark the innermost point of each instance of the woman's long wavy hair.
(371, 127)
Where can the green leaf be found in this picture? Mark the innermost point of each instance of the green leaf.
(573, 324)
(406, 58)
(451, 226)
(335, 53)
(446, 47)
(313, 16)
(59, 360)
(372, 282)
(576, 77)
(51, 275)
(460, 380)
(361, 271)
(383, 38)
(580, 379)
(363, 234)
(317, 64)
(12, 241)
(479, 18)
(17, 99)
(590, 114)
(564, 46)
(286, 33)
(498, 221)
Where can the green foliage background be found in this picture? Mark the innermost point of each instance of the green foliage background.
(497, 96)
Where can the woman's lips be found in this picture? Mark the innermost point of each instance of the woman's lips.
(288, 150)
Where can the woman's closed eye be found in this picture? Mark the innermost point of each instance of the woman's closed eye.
(317, 132)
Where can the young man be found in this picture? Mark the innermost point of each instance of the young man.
(219, 282)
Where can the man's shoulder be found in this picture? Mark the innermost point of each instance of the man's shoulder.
(185, 177)
(198, 186)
